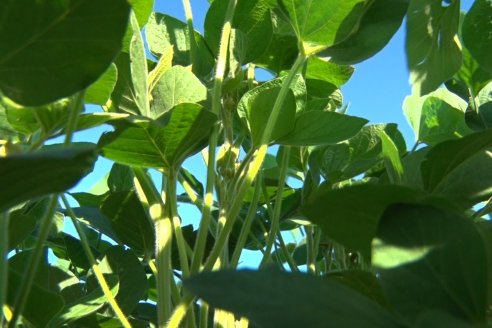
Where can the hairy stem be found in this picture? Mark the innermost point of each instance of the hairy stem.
(4, 250)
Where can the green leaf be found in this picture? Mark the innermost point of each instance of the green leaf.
(50, 51)
(280, 55)
(176, 86)
(322, 23)
(142, 10)
(424, 263)
(129, 221)
(6, 129)
(392, 160)
(377, 26)
(42, 173)
(272, 298)
(251, 17)
(43, 303)
(314, 128)
(186, 132)
(356, 155)
(163, 31)
(476, 33)
(436, 117)
(120, 178)
(472, 74)
(433, 50)
(85, 305)
(436, 318)
(458, 168)
(100, 91)
(123, 97)
(320, 69)
(20, 227)
(131, 276)
(350, 215)
(138, 67)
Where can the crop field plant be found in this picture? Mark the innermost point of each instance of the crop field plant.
(386, 237)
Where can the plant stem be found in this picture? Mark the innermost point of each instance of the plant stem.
(4, 269)
(163, 237)
(73, 115)
(191, 32)
(275, 220)
(25, 288)
(95, 267)
(245, 229)
(310, 260)
(216, 105)
(204, 315)
(180, 311)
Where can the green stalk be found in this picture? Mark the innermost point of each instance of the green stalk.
(310, 253)
(216, 105)
(25, 288)
(163, 236)
(191, 32)
(4, 269)
(275, 220)
(180, 311)
(75, 109)
(95, 267)
(245, 229)
(204, 315)
(285, 252)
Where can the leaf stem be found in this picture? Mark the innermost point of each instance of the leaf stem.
(275, 220)
(73, 115)
(180, 311)
(199, 249)
(310, 252)
(4, 271)
(25, 287)
(191, 32)
(95, 267)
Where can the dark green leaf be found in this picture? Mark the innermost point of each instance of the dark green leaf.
(129, 221)
(272, 299)
(476, 32)
(350, 215)
(21, 225)
(430, 258)
(131, 276)
(322, 23)
(186, 132)
(314, 128)
(378, 25)
(392, 160)
(50, 51)
(251, 17)
(100, 91)
(120, 178)
(433, 52)
(41, 173)
(436, 318)
(176, 86)
(84, 306)
(163, 31)
(124, 97)
(436, 117)
(458, 168)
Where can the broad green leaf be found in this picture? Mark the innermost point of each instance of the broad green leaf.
(129, 221)
(138, 68)
(6, 130)
(255, 107)
(458, 168)
(411, 162)
(76, 254)
(185, 133)
(272, 298)
(43, 302)
(142, 10)
(251, 17)
(280, 55)
(356, 155)
(322, 23)
(472, 74)
(392, 160)
(476, 33)
(436, 117)
(123, 97)
(431, 258)
(320, 69)
(120, 178)
(432, 46)
(21, 225)
(436, 318)
(84, 306)
(314, 128)
(48, 50)
(42, 173)
(163, 31)
(131, 276)
(91, 120)
(100, 91)
(377, 26)
(176, 86)
(350, 215)
(164, 64)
